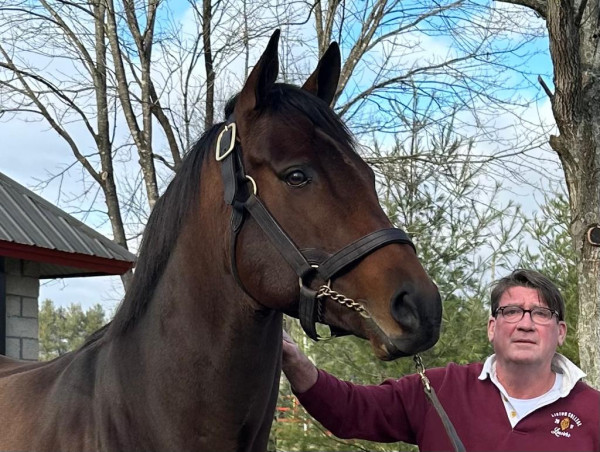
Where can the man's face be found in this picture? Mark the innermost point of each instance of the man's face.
(525, 342)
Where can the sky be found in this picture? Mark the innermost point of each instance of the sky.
(30, 152)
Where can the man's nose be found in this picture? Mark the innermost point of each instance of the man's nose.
(527, 321)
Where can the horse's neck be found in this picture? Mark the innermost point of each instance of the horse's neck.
(207, 355)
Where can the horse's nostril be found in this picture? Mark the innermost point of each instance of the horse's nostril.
(404, 311)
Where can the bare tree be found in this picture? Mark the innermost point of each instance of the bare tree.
(448, 50)
(60, 102)
(93, 65)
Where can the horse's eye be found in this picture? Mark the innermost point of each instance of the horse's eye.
(296, 178)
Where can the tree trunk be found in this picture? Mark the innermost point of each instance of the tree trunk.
(141, 137)
(581, 165)
(573, 31)
(208, 64)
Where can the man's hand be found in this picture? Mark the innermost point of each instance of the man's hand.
(300, 372)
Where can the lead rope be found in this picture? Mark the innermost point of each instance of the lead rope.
(432, 396)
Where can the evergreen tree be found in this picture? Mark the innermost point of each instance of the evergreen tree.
(65, 329)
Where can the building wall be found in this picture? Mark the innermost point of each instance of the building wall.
(22, 291)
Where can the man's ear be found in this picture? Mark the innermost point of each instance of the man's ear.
(324, 80)
(562, 332)
(491, 328)
(260, 80)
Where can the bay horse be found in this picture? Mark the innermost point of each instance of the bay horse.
(272, 211)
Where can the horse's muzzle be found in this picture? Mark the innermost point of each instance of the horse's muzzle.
(419, 315)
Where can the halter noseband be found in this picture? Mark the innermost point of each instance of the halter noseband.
(307, 264)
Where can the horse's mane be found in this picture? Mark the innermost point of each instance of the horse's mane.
(170, 211)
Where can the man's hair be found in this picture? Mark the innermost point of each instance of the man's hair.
(532, 279)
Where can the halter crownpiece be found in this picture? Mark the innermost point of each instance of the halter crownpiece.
(307, 264)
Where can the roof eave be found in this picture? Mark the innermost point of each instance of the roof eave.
(90, 265)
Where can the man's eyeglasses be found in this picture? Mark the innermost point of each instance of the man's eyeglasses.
(514, 314)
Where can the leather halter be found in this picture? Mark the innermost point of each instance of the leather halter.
(307, 264)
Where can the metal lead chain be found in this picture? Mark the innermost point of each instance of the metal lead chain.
(421, 371)
(326, 291)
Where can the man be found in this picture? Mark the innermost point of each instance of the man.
(525, 397)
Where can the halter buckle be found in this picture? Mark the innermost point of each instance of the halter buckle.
(229, 145)
(253, 183)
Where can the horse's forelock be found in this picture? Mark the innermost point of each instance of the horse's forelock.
(288, 101)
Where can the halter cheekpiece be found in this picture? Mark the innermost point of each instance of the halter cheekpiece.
(306, 263)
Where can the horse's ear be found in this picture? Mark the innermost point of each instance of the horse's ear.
(324, 81)
(261, 78)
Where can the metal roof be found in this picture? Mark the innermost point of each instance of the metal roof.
(45, 233)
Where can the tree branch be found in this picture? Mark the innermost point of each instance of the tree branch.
(407, 76)
(53, 123)
(21, 74)
(539, 6)
(545, 87)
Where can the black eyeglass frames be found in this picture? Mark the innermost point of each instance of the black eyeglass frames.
(514, 314)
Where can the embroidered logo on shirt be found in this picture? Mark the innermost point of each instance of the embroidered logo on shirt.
(564, 422)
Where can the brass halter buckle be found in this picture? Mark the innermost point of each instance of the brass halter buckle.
(228, 128)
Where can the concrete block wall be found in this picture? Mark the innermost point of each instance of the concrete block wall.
(22, 291)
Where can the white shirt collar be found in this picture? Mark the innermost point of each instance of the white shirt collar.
(568, 374)
(560, 364)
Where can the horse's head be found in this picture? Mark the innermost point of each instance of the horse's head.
(322, 196)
